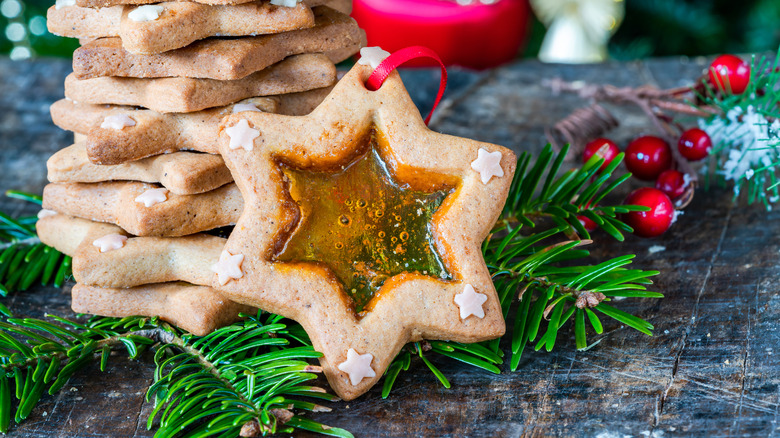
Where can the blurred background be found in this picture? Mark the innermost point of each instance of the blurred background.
(483, 33)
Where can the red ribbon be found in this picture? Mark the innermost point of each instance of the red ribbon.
(393, 61)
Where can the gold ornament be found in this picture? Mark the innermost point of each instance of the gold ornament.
(577, 30)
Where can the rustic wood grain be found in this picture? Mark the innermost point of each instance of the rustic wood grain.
(712, 369)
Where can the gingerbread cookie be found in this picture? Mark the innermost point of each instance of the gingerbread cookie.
(300, 104)
(365, 226)
(196, 309)
(151, 133)
(151, 29)
(343, 6)
(84, 118)
(221, 58)
(182, 173)
(145, 132)
(105, 256)
(181, 94)
(146, 210)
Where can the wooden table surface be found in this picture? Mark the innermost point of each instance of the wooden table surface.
(711, 369)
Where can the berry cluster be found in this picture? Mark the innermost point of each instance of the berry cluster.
(650, 158)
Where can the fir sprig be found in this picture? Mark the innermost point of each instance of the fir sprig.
(245, 379)
(550, 289)
(38, 355)
(24, 260)
(248, 378)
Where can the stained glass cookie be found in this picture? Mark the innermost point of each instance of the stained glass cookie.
(365, 226)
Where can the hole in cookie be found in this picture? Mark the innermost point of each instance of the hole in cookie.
(363, 225)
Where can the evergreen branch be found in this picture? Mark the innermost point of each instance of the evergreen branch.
(24, 260)
(203, 386)
(530, 263)
(562, 198)
(36, 354)
(242, 380)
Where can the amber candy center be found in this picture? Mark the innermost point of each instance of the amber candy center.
(363, 225)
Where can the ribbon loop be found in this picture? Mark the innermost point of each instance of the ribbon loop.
(383, 70)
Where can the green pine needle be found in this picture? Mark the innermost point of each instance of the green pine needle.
(24, 261)
(38, 356)
(252, 371)
(212, 390)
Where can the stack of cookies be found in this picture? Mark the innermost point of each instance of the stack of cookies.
(142, 198)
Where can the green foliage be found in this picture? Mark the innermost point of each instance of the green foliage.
(695, 27)
(251, 372)
(552, 287)
(476, 355)
(24, 29)
(23, 259)
(38, 356)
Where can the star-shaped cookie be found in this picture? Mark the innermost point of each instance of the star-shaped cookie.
(409, 306)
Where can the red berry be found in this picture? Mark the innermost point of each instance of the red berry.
(729, 74)
(649, 223)
(694, 144)
(647, 157)
(603, 148)
(586, 222)
(671, 182)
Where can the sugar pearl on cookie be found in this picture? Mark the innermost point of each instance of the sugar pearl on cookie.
(488, 164)
(110, 242)
(372, 56)
(146, 13)
(46, 213)
(286, 3)
(358, 366)
(117, 121)
(241, 107)
(242, 136)
(152, 197)
(470, 302)
(228, 267)
(59, 4)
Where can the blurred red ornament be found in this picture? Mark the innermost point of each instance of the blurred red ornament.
(480, 34)
(730, 74)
